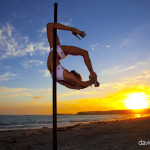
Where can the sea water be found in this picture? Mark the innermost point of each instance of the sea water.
(14, 122)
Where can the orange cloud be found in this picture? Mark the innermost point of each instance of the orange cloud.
(113, 101)
(38, 97)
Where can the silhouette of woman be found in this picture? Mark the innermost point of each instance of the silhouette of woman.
(70, 79)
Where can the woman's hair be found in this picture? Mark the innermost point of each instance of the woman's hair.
(78, 76)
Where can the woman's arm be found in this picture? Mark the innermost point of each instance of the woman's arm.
(72, 50)
(70, 77)
(70, 86)
(64, 27)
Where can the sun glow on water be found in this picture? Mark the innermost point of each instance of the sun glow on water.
(136, 101)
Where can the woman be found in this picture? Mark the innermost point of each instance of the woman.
(71, 79)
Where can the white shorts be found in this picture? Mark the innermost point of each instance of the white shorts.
(59, 71)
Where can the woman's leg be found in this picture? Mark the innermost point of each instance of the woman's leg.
(78, 51)
(50, 30)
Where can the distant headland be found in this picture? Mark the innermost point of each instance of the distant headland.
(115, 112)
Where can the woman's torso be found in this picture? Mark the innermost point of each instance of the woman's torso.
(50, 61)
(61, 54)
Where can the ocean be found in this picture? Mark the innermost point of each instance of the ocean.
(15, 122)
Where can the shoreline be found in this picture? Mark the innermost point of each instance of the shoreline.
(119, 134)
(76, 124)
(71, 124)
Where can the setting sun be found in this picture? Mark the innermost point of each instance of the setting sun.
(136, 101)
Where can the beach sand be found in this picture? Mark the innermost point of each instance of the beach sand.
(106, 135)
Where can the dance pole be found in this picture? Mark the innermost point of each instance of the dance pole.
(54, 81)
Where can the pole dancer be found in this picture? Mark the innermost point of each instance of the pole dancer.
(70, 79)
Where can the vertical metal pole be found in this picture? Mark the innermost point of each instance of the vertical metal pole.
(54, 81)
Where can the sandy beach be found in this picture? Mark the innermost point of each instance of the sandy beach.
(129, 134)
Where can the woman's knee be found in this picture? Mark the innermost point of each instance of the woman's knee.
(49, 26)
(85, 53)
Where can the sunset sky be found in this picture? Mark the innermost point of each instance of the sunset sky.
(117, 39)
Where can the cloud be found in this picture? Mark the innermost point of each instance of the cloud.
(45, 72)
(7, 92)
(31, 63)
(7, 76)
(38, 97)
(111, 71)
(7, 67)
(12, 43)
(68, 22)
(70, 93)
(94, 46)
(108, 46)
(9, 42)
(115, 70)
(138, 36)
(45, 92)
(136, 81)
(14, 15)
(125, 76)
(43, 30)
(128, 68)
(84, 92)
(9, 30)
(126, 42)
(114, 100)
(144, 62)
(114, 85)
(41, 46)
(13, 92)
(6, 89)
(33, 47)
(14, 95)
